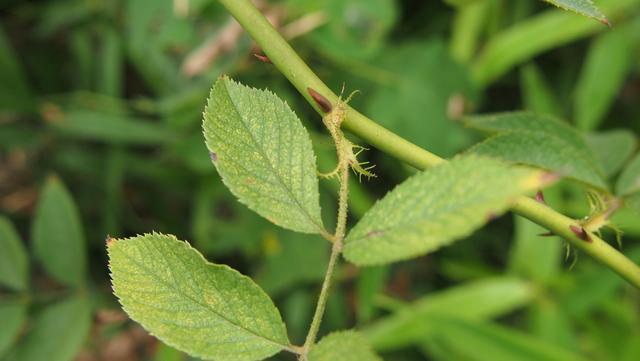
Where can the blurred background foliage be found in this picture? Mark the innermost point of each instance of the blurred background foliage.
(100, 111)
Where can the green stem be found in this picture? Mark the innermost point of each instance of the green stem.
(322, 300)
(302, 77)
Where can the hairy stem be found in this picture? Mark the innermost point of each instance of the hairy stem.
(302, 77)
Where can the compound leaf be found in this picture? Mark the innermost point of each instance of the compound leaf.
(263, 154)
(14, 264)
(207, 310)
(57, 334)
(583, 7)
(343, 346)
(435, 208)
(58, 238)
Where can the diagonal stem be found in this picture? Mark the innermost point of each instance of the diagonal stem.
(302, 77)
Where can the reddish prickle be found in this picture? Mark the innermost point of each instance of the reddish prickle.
(322, 102)
(581, 233)
(263, 58)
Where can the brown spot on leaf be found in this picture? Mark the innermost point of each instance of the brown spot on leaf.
(213, 156)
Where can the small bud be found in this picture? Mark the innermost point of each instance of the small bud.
(581, 233)
(322, 102)
(263, 58)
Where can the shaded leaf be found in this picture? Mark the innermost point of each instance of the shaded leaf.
(13, 315)
(14, 264)
(263, 154)
(343, 346)
(482, 299)
(633, 202)
(58, 237)
(540, 141)
(603, 74)
(57, 334)
(541, 150)
(612, 148)
(538, 95)
(207, 310)
(435, 208)
(583, 7)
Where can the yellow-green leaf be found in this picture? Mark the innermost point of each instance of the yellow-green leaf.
(207, 310)
(435, 208)
(343, 346)
(263, 154)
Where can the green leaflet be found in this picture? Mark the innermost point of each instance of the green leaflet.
(540, 141)
(612, 148)
(482, 299)
(207, 310)
(14, 264)
(633, 202)
(583, 7)
(343, 346)
(603, 74)
(57, 334)
(58, 238)
(435, 208)
(13, 314)
(263, 154)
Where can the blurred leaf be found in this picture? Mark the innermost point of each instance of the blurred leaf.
(13, 315)
(633, 202)
(538, 95)
(112, 128)
(528, 38)
(343, 346)
(468, 25)
(58, 332)
(291, 259)
(475, 340)
(208, 310)
(539, 141)
(603, 74)
(58, 238)
(355, 29)
(582, 7)
(15, 91)
(487, 298)
(297, 310)
(629, 180)
(370, 283)
(612, 148)
(167, 353)
(435, 208)
(264, 155)
(110, 74)
(415, 102)
(551, 323)
(14, 263)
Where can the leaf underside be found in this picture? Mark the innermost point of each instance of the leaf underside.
(263, 154)
(583, 7)
(435, 208)
(207, 310)
(343, 346)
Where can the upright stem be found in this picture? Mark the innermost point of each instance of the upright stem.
(302, 77)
